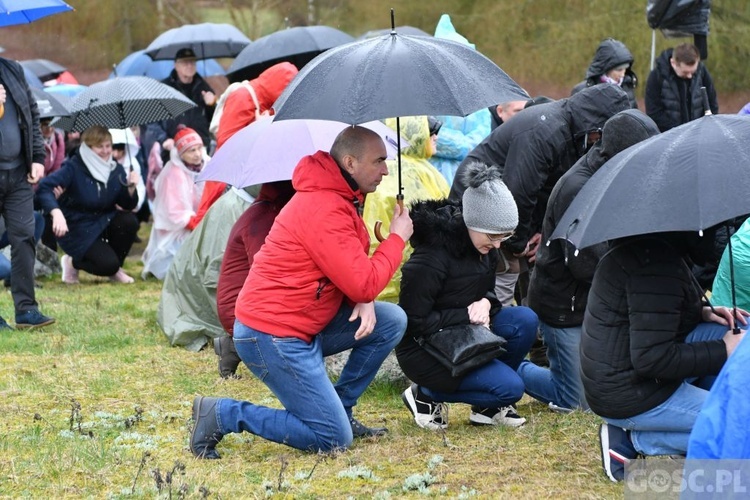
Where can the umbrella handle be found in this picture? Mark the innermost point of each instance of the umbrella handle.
(377, 229)
(2, 110)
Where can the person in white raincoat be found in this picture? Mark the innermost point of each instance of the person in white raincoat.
(176, 202)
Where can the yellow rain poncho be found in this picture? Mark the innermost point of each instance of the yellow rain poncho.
(420, 181)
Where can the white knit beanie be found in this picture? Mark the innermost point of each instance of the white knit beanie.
(488, 205)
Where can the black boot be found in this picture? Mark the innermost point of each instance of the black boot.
(229, 360)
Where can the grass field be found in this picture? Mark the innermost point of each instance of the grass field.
(98, 406)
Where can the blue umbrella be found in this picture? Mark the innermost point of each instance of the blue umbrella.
(14, 12)
(140, 64)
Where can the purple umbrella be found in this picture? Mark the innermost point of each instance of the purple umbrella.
(268, 150)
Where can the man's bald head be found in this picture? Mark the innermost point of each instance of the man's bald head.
(361, 152)
(352, 141)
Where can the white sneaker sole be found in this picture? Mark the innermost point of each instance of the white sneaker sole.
(423, 421)
(479, 419)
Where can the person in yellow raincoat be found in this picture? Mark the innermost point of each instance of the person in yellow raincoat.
(420, 181)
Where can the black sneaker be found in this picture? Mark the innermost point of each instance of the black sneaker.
(496, 416)
(428, 414)
(205, 434)
(360, 430)
(617, 450)
(4, 325)
(32, 319)
(229, 360)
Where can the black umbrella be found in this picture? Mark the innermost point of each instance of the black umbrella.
(297, 45)
(48, 105)
(44, 69)
(395, 75)
(208, 40)
(689, 178)
(123, 102)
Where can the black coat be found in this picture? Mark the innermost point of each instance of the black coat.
(610, 54)
(561, 279)
(642, 305)
(13, 79)
(197, 118)
(443, 276)
(671, 100)
(537, 146)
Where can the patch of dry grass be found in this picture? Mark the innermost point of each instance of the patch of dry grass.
(98, 405)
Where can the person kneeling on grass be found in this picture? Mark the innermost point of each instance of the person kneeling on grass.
(650, 348)
(83, 199)
(450, 280)
(310, 293)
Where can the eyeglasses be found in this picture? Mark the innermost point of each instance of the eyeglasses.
(500, 237)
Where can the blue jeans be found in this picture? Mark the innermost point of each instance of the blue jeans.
(665, 429)
(561, 383)
(316, 412)
(497, 384)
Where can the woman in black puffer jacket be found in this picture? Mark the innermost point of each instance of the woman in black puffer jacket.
(449, 280)
(612, 63)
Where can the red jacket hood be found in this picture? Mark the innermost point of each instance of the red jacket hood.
(271, 83)
(320, 172)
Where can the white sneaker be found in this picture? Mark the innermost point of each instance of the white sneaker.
(428, 414)
(121, 277)
(69, 273)
(496, 416)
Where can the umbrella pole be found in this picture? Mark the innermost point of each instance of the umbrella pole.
(400, 194)
(736, 328)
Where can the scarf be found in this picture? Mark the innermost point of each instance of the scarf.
(98, 168)
(606, 79)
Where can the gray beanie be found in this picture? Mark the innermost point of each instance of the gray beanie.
(488, 205)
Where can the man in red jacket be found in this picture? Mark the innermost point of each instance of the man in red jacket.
(310, 293)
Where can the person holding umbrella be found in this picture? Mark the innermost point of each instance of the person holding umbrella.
(310, 293)
(93, 233)
(21, 166)
(650, 346)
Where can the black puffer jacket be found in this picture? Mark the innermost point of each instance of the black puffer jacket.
(441, 278)
(560, 281)
(643, 304)
(537, 146)
(610, 54)
(671, 100)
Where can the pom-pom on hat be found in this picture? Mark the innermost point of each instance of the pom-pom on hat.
(185, 138)
(488, 205)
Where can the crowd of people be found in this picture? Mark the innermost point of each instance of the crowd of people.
(284, 275)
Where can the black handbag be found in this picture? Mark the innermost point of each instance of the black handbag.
(461, 348)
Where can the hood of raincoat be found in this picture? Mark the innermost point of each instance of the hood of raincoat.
(271, 83)
(416, 130)
(610, 54)
(590, 108)
(320, 172)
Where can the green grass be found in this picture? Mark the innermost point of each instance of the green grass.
(98, 405)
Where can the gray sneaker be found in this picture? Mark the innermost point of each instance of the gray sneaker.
(205, 434)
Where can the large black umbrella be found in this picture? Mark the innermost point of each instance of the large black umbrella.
(207, 40)
(689, 178)
(48, 105)
(123, 102)
(297, 45)
(44, 69)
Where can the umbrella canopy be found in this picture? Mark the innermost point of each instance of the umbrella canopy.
(66, 89)
(206, 39)
(396, 75)
(268, 150)
(689, 178)
(26, 11)
(48, 105)
(140, 64)
(44, 69)
(32, 79)
(297, 45)
(123, 102)
(402, 30)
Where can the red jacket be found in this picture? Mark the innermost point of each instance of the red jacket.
(245, 239)
(315, 256)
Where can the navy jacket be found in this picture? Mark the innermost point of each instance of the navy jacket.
(87, 204)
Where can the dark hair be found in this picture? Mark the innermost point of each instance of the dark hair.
(686, 53)
(434, 125)
(119, 146)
